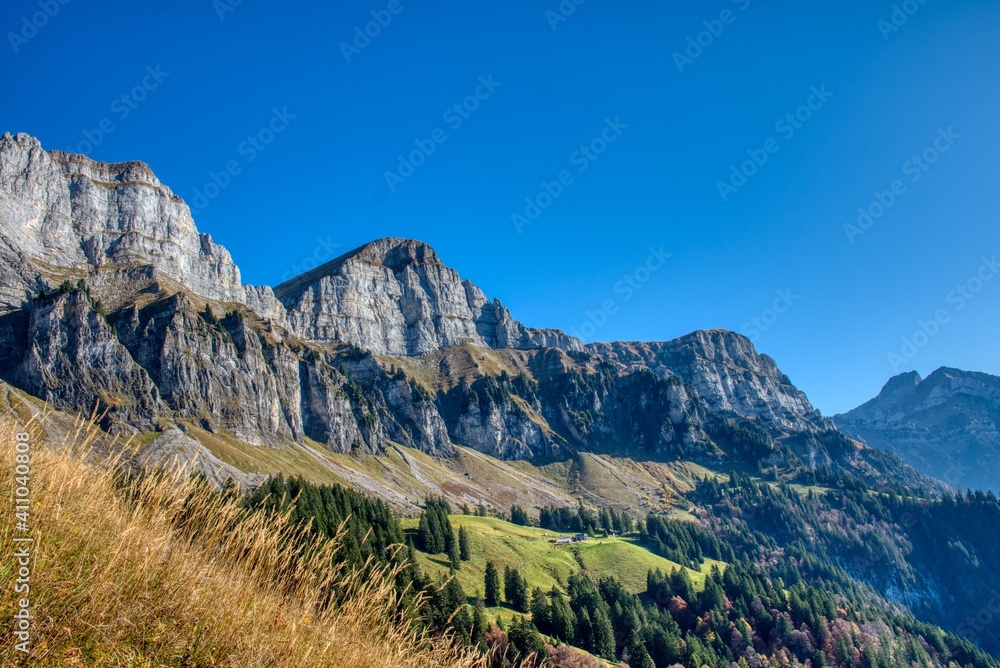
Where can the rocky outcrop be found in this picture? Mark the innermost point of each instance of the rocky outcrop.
(724, 370)
(261, 300)
(70, 357)
(67, 217)
(110, 297)
(946, 425)
(396, 297)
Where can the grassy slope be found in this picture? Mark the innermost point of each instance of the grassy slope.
(121, 577)
(542, 563)
(404, 477)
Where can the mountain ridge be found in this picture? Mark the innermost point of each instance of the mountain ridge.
(115, 299)
(945, 425)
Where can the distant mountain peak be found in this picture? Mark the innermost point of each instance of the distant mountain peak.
(901, 385)
(946, 425)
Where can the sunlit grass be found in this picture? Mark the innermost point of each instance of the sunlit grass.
(161, 571)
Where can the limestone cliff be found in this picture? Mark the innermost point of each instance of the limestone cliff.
(111, 298)
(396, 297)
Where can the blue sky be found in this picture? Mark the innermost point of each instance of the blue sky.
(592, 125)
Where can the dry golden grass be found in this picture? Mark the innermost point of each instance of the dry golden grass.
(161, 572)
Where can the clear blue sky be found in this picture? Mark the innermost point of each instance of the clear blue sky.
(323, 176)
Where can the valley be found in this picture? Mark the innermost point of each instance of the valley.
(382, 405)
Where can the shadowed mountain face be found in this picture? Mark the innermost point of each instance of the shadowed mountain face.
(944, 425)
(109, 296)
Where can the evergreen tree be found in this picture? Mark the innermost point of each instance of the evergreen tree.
(526, 639)
(636, 654)
(492, 586)
(453, 556)
(515, 589)
(519, 516)
(464, 551)
(540, 611)
(479, 623)
(562, 620)
(603, 643)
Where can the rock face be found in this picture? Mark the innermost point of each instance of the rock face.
(71, 217)
(110, 298)
(723, 369)
(945, 425)
(396, 297)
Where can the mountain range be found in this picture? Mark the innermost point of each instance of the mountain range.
(944, 425)
(111, 298)
(383, 370)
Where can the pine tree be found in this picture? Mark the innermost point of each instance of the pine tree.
(603, 634)
(540, 611)
(478, 623)
(424, 533)
(453, 556)
(464, 551)
(519, 516)
(635, 653)
(563, 622)
(492, 585)
(526, 639)
(516, 589)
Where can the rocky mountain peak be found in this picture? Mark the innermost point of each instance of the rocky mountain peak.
(396, 253)
(66, 216)
(134, 276)
(390, 252)
(726, 371)
(900, 386)
(396, 297)
(947, 424)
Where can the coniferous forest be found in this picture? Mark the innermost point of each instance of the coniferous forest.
(841, 577)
